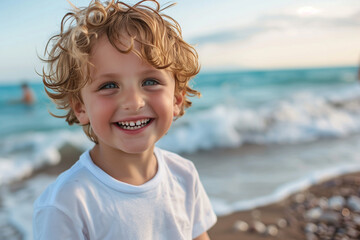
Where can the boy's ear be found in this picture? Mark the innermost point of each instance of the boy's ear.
(178, 102)
(80, 112)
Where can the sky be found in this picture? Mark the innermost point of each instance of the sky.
(228, 35)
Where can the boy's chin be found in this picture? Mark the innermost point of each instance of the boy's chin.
(137, 149)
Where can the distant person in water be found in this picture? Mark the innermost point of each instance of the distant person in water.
(28, 95)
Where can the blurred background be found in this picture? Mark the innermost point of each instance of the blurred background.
(279, 108)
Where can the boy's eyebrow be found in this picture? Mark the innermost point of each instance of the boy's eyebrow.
(116, 75)
(107, 75)
(150, 71)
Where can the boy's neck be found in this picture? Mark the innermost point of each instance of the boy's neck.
(134, 169)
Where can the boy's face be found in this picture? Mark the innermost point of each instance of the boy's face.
(129, 104)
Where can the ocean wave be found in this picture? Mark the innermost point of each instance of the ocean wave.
(22, 154)
(302, 118)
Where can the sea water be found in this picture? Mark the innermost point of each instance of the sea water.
(307, 119)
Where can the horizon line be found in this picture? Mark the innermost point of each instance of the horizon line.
(208, 71)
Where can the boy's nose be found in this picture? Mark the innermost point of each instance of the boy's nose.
(132, 100)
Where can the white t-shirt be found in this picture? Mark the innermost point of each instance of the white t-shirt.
(86, 203)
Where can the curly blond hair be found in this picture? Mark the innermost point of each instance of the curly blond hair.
(159, 37)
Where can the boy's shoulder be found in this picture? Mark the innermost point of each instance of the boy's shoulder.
(180, 167)
(176, 160)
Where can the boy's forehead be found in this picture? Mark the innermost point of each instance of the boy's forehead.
(107, 61)
(103, 50)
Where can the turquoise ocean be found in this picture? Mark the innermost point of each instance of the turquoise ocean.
(290, 128)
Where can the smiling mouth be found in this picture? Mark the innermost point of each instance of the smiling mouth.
(134, 125)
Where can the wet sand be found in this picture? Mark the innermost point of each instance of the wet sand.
(328, 210)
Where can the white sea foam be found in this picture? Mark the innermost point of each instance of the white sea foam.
(204, 130)
(304, 117)
(22, 154)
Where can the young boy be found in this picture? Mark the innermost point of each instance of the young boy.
(122, 72)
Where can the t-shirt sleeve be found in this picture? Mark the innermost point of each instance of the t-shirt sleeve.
(52, 223)
(204, 216)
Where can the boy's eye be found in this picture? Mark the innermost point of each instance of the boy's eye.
(108, 86)
(150, 82)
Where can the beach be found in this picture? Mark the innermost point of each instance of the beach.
(257, 139)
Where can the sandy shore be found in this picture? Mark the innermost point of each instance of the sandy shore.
(69, 155)
(292, 217)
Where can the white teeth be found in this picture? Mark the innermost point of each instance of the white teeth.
(134, 125)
